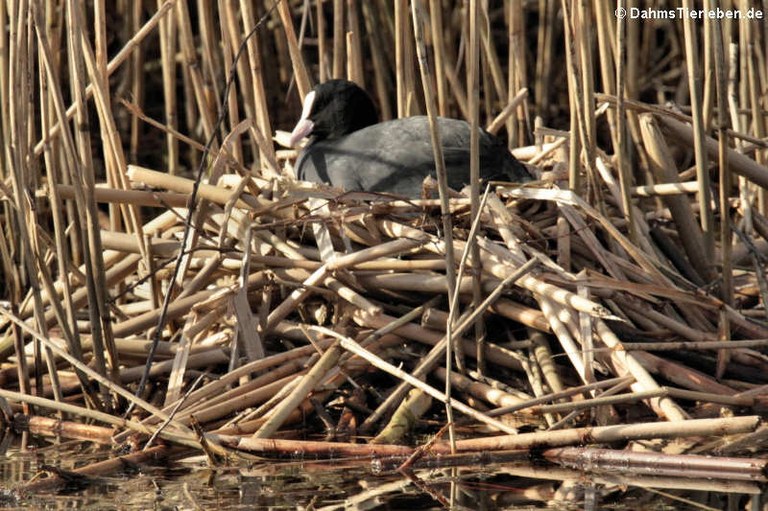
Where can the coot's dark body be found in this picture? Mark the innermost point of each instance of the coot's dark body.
(350, 150)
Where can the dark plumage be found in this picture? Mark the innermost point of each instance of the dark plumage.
(350, 149)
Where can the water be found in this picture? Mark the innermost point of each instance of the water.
(191, 484)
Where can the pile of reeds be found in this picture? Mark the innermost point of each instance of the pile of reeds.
(619, 298)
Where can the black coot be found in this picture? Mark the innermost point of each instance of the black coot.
(350, 149)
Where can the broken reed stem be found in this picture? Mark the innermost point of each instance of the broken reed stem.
(503, 117)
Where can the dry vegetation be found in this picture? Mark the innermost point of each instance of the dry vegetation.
(158, 257)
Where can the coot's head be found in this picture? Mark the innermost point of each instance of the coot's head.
(333, 109)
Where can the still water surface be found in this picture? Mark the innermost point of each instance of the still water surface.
(191, 484)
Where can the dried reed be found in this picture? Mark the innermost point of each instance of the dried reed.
(155, 248)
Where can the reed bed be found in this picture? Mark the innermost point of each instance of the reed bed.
(166, 277)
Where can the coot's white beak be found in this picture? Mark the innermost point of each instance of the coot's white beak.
(304, 126)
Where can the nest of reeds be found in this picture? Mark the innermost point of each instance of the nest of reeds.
(237, 310)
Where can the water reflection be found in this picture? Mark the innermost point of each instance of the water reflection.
(191, 484)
